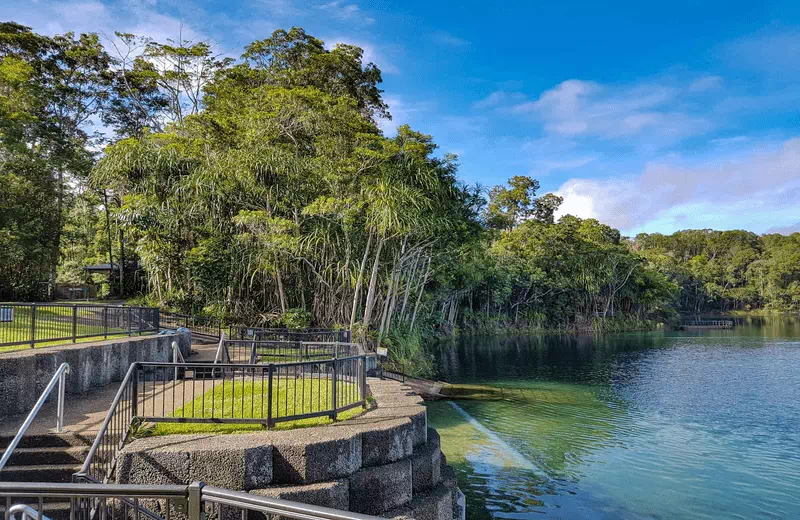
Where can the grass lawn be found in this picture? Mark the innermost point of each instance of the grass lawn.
(249, 400)
(51, 322)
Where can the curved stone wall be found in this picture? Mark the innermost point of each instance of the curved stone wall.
(385, 462)
(24, 374)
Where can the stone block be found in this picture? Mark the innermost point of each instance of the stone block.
(426, 463)
(387, 441)
(335, 494)
(231, 467)
(166, 466)
(303, 459)
(436, 504)
(448, 479)
(381, 488)
(237, 462)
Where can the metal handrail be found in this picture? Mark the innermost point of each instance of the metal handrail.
(58, 378)
(26, 511)
(274, 506)
(87, 463)
(195, 499)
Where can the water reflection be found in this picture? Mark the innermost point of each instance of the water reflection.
(672, 425)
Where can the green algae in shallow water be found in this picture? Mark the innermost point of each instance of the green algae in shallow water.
(634, 426)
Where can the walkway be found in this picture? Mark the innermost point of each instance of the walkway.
(84, 413)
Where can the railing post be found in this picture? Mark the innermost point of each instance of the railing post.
(333, 413)
(175, 359)
(364, 380)
(195, 501)
(33, 325)
(130, 332)
(62, 384)
(271, 369)
(105, 322)
(135, 392)
(74, 323)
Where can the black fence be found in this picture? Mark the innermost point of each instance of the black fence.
(202, 326)
(259, 352)
(274, 334)
(40, 323)
(224, 393)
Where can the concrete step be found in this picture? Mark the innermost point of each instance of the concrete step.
(54, 440)
(40, 473)
(47, 455)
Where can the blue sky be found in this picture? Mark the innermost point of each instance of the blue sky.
(650, 118)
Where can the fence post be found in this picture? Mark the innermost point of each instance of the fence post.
(105, 322)
(333, 414)
(62, 384)
(364, 380)
(270, 424)
(33, 324)
(195, 501)
(74, 323)
(135, 392)
(130, 332)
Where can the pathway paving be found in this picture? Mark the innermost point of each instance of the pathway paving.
(84, 414)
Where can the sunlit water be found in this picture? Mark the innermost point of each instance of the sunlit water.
(630, 426)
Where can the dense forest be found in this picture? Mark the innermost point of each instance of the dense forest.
(261, 189)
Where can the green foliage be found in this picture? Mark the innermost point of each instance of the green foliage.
(727, 270)
(296, 318)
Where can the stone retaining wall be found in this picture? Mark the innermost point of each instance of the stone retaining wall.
(386, 462)
(24, 374)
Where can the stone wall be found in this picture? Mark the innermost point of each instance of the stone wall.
(385, 462)
(24, 374)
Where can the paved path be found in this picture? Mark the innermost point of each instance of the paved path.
(84, 414)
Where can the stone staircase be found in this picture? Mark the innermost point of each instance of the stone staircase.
(45, 458)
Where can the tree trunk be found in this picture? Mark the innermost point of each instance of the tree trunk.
(281, 294)
(357, 295)
(419, 296)
(372, 284)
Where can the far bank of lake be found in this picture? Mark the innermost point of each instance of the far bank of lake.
(697, 424)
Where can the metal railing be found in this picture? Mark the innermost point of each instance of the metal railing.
(277, 334)
(223, 393)
(32, 323)
(202, 326)
(138, 502)
(59, 378)
(269, 351)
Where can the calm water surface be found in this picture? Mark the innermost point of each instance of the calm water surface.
(657, 425)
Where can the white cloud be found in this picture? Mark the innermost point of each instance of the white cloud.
(577, 108)
(142, 19)
(450, 40)
(726, 141)
(762, 182)
(785, 230)
(347, 11)
(567, 163)
(498, 98)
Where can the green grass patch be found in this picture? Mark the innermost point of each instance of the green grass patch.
(52, 322)
(15, 348)
(245, 400)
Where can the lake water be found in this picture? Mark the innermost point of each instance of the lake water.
(630, 426)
